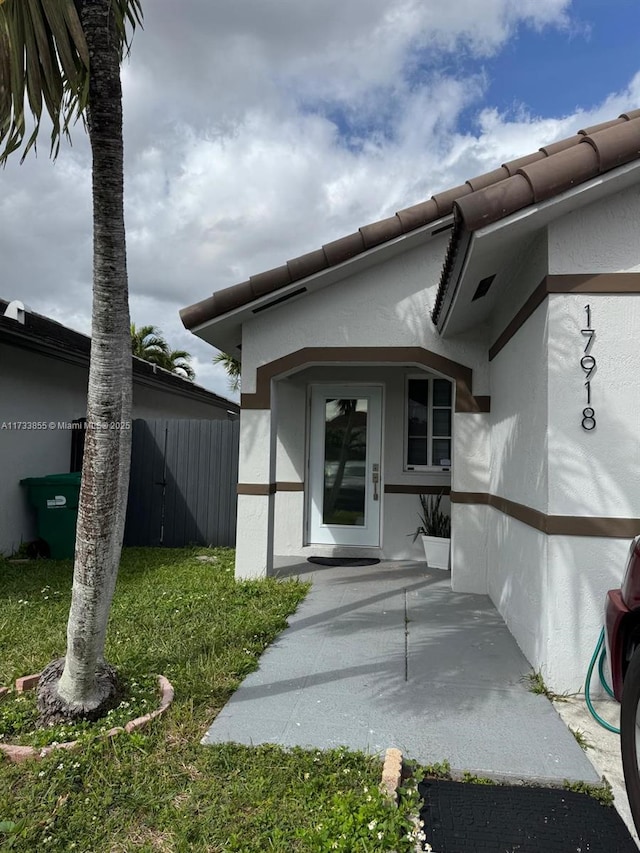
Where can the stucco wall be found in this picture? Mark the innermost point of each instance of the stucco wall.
(153, 402)
(518, 581)
(519, 389)
(471, 473)
(594, 472)
(551, 590)
(35, 388)
(591, 473)
(32, 389)
(601, 237)
(524, 277)
(386, 306)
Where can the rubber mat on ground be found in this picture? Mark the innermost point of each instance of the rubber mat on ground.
(467, 818)
(343, 561)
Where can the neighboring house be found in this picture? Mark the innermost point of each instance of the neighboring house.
(43, 387)
(491, 335)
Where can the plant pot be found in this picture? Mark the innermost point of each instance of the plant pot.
(437, 551)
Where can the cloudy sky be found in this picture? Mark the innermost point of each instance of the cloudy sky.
(256, 130)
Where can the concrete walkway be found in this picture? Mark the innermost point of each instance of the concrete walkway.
(388, 655)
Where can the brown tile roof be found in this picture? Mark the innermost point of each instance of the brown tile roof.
(476, 203)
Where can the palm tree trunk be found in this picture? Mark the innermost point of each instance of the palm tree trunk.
(86, 686)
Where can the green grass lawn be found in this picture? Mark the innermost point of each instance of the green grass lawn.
(159, 789)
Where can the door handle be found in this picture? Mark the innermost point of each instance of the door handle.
(375, 476)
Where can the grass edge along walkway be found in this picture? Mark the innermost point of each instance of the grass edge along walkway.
(159, 790)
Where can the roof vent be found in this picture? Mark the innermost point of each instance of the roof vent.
(483, 287)
(280, 300)
(15, 311)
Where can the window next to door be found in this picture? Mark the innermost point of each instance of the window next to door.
(428, 423)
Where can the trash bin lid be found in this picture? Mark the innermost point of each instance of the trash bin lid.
(72, 479)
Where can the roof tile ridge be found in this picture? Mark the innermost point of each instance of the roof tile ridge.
(558, 152)
(616, 144)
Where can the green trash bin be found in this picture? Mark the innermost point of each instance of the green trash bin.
(55, 500)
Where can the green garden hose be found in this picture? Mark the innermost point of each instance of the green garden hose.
(599, 650)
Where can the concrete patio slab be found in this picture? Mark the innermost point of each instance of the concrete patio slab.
(388, 655)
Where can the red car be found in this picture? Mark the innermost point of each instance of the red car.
(622, 637)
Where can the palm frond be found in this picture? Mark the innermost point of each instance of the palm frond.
(147, 342)
(44, 61)
(185, 370)
(177, 361)
(232, 366)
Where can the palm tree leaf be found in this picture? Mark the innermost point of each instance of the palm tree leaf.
(76, 32)
(52, 86)
(232, 366)
(5, 77)
(33, 75)
(70, 45)
(44, 57)
(71, 49)
(184, 368)
(127, 11)
(13, 124)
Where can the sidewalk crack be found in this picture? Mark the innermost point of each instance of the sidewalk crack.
(406, 637)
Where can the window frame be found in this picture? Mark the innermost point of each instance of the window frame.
(429, 378)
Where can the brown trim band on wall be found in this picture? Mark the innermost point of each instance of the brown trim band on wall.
(256, 488)
(409, 489)
(268, 488)
(554, 525)
(405, 356)
(602, 283)
(536, 299)
(483, 404)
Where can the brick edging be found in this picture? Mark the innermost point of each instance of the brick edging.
(391, 779)
(17, 754)
(392, 773)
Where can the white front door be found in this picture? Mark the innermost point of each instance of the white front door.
(344, 464)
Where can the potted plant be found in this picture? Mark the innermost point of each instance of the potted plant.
(435, 531)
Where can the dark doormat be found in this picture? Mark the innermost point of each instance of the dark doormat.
(343, 561)
(467, 818)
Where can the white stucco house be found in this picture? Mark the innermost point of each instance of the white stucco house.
(486, 343)
(44, 372)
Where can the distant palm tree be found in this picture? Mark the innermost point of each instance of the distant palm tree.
(177, 361)
(233, 367)
(147, 343)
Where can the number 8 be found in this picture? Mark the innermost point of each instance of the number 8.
(588, 419)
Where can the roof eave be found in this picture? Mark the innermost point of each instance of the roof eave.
(463, 241)
(225, 331)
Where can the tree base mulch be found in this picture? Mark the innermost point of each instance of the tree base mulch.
(53, 709)
(469, 818)
(346, 562)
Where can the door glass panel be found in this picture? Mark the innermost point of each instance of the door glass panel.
(345, 462)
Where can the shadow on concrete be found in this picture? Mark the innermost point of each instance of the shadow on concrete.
(390, 656)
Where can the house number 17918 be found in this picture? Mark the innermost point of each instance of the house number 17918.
(588, 364)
